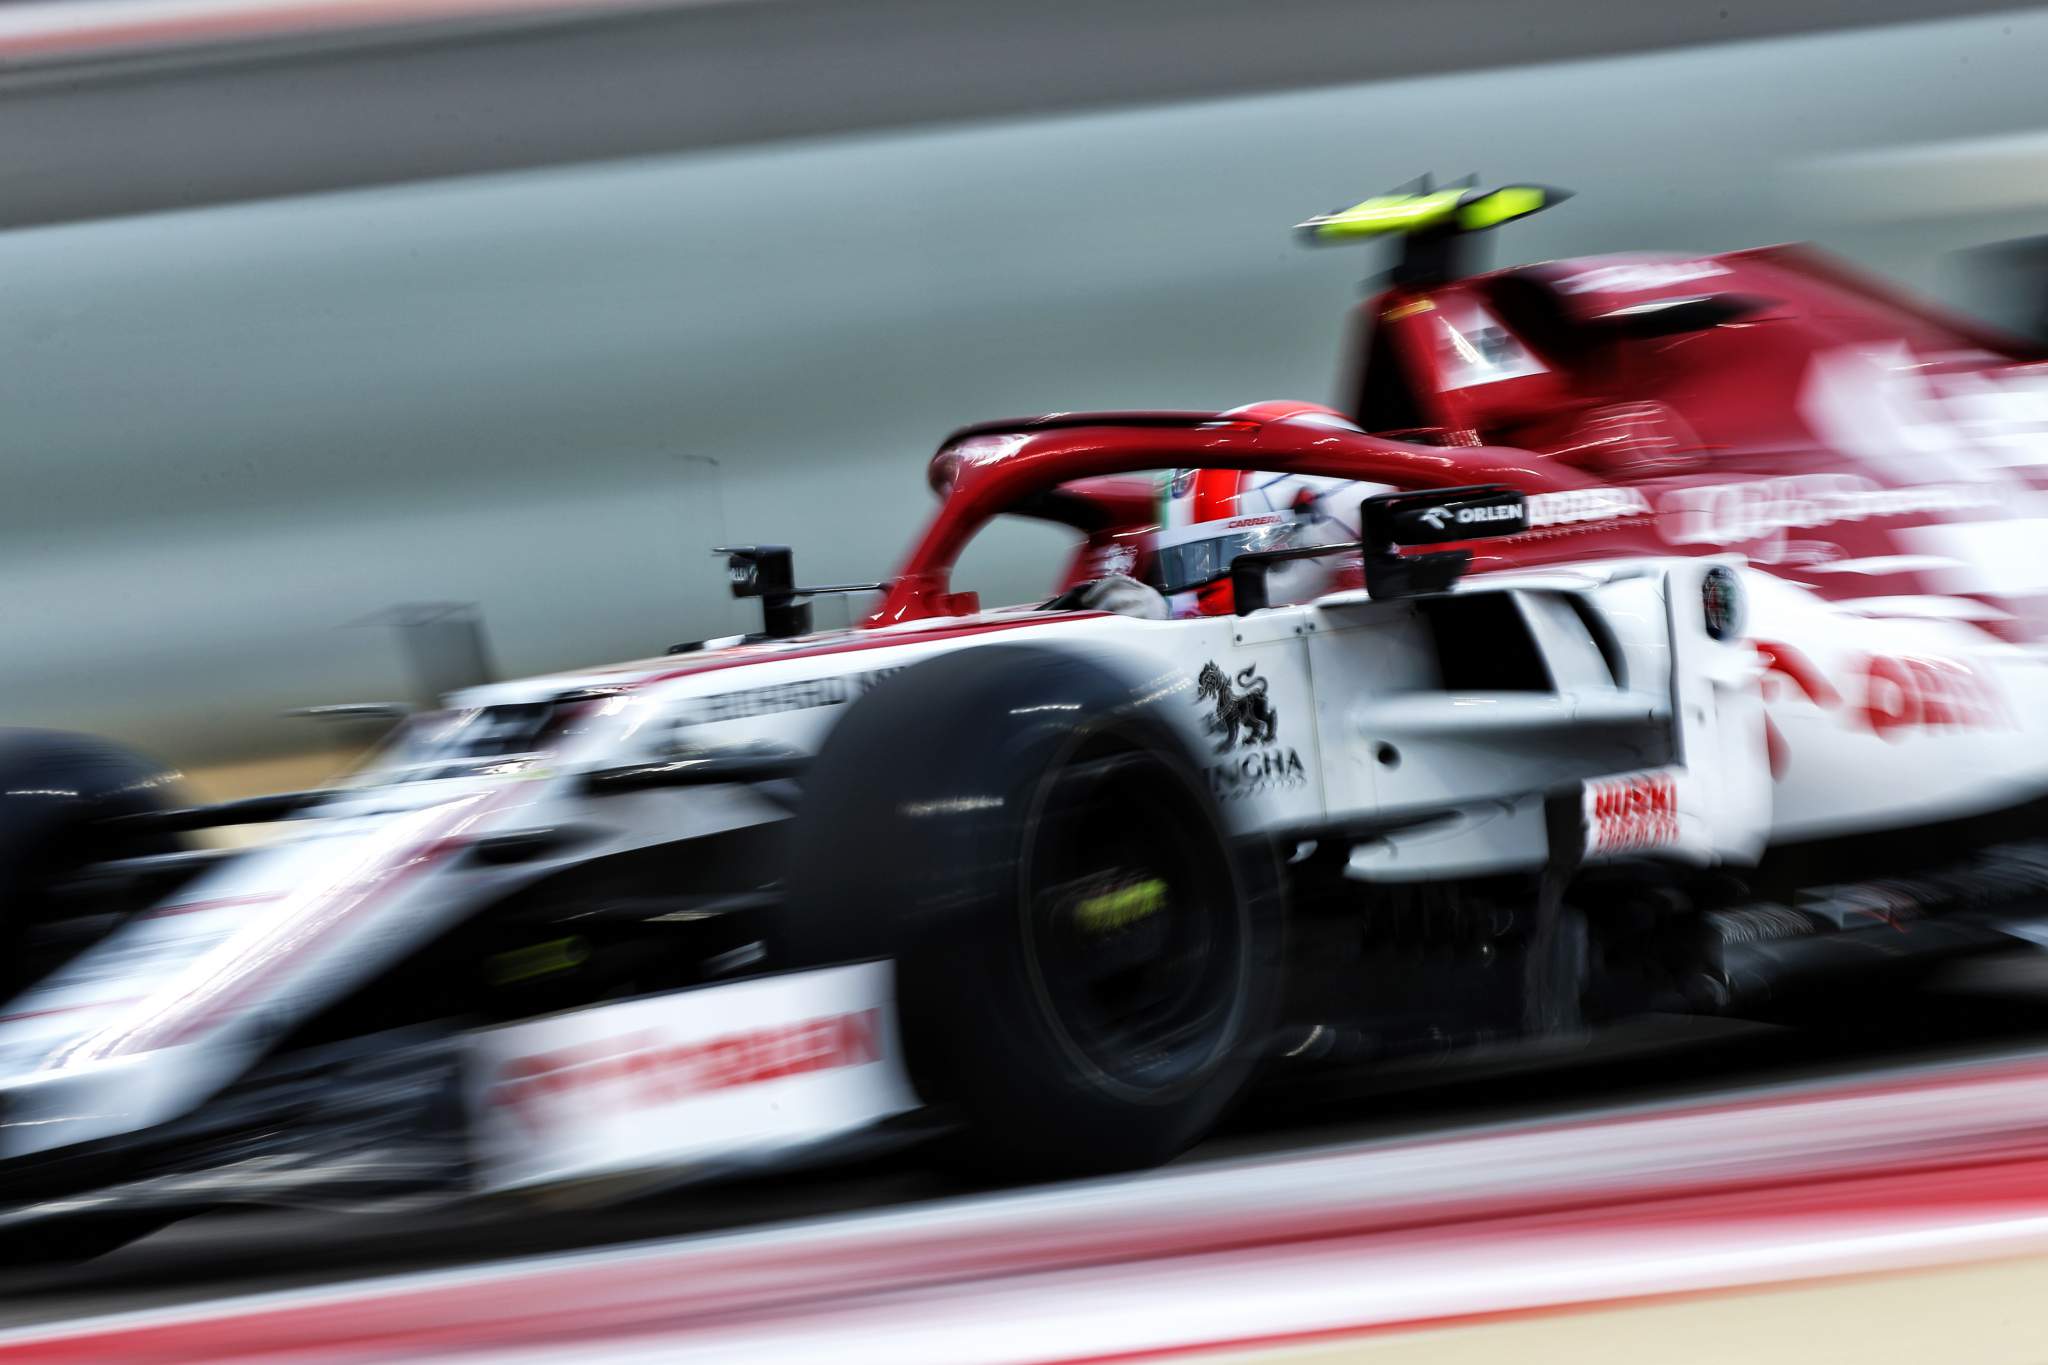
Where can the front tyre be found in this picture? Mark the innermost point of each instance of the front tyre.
(57, 791)
(1087, 963)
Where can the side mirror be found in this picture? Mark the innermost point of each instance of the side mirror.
(1434, 517)
(1440, 515)
(1437, 517)
(769, 573)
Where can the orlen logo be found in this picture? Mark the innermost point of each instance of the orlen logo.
(1634, 813)
(644, 1071)
(1918, 693)
(1440, 517)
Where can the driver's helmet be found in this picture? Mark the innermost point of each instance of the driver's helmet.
(1211, 516)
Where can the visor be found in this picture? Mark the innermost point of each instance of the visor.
(1191, 557)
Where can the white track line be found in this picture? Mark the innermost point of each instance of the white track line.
(1168, 1309)
(1388, 1198)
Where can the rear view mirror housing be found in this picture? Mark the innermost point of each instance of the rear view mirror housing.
(1434, 517)
(1439, 516)
(1391, 520)
(769, 573)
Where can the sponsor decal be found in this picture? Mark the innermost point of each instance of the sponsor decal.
(1630, 814)
(645, 1070)
(1252, 773)
(1720, 602)
(1909, 422)
(1432, 518)
(1581, 505)
(1241, 714)
(1918, 693)
(1439, 518)
(1183, 483)
(1729, 513)
(1635, 276)
(1481, 351)
(1901, 694)
(779, 697)
(1247, 728)
(1783, 661)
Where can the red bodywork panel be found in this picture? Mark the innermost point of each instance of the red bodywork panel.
(1771, 402)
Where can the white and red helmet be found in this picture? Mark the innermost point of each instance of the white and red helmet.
(1211, 516)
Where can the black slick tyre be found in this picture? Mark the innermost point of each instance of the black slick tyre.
(1087, 964)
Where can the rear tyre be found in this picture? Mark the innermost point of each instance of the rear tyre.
(1087, 964)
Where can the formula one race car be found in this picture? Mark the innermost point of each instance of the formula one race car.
(1645, 633)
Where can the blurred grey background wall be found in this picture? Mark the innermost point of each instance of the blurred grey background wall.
(271, 363)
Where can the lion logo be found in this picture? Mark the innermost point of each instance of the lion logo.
(1242, 716)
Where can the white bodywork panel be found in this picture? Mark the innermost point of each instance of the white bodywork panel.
(740, 1071)
(1329, 720)
(1893, 720)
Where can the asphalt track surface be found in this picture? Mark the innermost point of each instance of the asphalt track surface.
(1983, 1009)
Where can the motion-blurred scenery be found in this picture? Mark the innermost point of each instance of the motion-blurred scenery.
(788, 679)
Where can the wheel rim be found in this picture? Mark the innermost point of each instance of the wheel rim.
(1134, 930)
